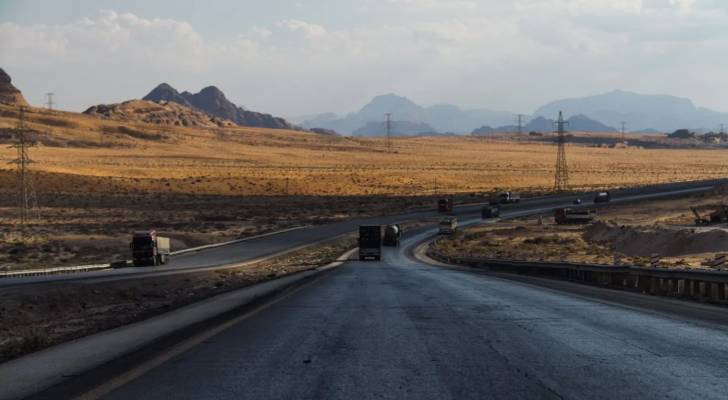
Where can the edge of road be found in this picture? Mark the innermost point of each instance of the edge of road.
(36, 372)
(701, 313)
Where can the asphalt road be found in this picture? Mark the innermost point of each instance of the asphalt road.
(270, 245)
(400, 329)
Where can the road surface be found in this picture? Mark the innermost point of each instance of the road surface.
(401, 329)
(270, 245)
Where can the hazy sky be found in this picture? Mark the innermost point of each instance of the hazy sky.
(301, 57)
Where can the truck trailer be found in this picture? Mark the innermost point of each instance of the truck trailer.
(370, 242)
(149, 249)
(567, 216)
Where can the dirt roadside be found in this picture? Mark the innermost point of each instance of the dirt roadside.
(36, 317)
(633, 232)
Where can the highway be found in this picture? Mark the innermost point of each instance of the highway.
(266, 246)
(401, 329)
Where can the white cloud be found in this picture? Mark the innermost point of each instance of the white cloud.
(512, 55)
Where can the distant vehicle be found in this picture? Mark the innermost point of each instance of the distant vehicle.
(392, 235)
(509, 197)
(148, 249)
(490, 212)
(577, 201)
(565, 216)
(370, 242)
(603, 197)
(448, 225)
(444, 205)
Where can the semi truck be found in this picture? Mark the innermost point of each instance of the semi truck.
(444, 205)
(149, 249)
(392, 235)
(370, 242)
(567, 216)
(490, 211)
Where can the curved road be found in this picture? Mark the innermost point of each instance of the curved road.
(401, 329)
(266, 246)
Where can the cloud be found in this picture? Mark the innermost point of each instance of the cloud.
(512, 55)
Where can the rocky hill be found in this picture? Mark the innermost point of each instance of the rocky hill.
(212, 101)
(162, 113)
(9, 94)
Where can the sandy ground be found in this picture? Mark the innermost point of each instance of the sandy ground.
(633, 232)
(98, 180)
(35, 317)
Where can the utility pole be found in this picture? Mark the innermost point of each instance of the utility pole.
(49, 101)
(561, 176)
(388, 126)
(624, 124)
(26, 192)
(520, 124)
(722, 133)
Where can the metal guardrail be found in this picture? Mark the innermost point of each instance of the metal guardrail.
(702, 285)
(55, 270)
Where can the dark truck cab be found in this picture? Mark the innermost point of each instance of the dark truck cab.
(445, 205)
(370, 242)
(148, 249)
(392, 235)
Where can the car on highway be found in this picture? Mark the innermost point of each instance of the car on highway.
(577, 201)
(448, 225)
(603, 197)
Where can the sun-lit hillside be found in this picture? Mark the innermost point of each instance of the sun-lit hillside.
(247, 161)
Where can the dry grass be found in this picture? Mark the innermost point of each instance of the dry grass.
(249, 161)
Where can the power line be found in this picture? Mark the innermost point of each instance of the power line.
(49, 102)
(388, 126)
(26, 192)
(561, 176)
(520, 124)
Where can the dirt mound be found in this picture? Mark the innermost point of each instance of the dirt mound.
(642, 241)
(163, 113)
(9, 94)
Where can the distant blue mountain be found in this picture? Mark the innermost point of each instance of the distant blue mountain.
(440, 117)
(641, 112)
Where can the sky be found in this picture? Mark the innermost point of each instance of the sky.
(302, 57)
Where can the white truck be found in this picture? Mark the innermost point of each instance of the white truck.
(448, 225)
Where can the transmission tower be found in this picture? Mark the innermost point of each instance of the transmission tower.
(624, 124)
(388, 127)
(520, 124)
(26, 192)
(49, 102)
(561, 177)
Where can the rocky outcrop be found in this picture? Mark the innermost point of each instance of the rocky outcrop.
(212, 101)
(161, 113)
(9, 94)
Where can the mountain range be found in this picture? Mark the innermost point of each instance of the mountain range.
(640, 112)
(600, 113)
(580, 123)
(440, 117)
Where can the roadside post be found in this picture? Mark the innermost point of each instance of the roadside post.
(719, 262)
(655, 260)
